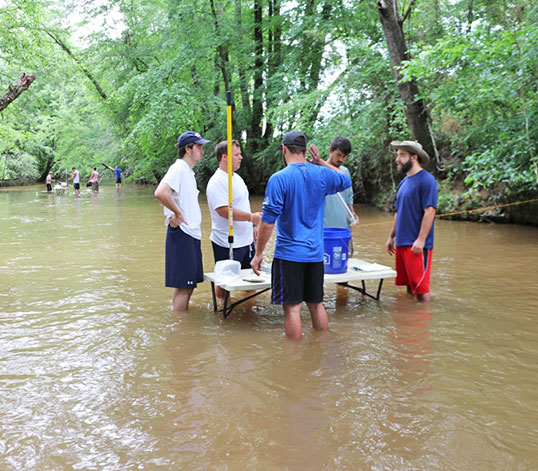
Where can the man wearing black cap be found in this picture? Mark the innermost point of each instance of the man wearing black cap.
(411, 235)
(295, 197)
(179, 195)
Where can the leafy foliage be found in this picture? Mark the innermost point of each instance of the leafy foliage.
(119, 86)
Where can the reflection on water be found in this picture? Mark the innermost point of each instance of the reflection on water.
(411, 338)
(97, 373)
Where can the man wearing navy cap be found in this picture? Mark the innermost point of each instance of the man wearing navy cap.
(295, 197)
(178, 193)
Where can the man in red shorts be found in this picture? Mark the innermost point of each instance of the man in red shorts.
(411, 235)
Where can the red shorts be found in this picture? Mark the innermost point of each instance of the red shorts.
(413, 270)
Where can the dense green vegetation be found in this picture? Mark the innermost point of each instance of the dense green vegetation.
(117, 81)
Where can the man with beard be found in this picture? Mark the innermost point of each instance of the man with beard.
(411, 235)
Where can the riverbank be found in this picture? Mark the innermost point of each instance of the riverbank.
(456, 204)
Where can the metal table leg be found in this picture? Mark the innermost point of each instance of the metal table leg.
(363, 289)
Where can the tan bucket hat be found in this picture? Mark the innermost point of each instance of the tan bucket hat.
(414, 147)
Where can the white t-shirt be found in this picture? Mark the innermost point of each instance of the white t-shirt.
(76, 179)
(217, 196)
(184, 192)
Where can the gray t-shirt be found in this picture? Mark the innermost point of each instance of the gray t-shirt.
(335, 215)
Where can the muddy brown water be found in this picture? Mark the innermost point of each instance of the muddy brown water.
(97, 372)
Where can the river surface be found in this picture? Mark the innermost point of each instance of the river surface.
(97, 372)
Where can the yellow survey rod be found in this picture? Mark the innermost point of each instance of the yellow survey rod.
(230, 174)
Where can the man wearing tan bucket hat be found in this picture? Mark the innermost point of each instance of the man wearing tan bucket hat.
(411, 235)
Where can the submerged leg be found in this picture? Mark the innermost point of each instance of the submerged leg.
(292, 325)
(181, 298)
(320, 320)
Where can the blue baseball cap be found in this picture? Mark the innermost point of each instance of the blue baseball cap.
(190, 137)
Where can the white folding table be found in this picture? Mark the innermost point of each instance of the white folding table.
(357, 270)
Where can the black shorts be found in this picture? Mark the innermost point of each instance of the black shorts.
(76, 186)
(118, 180)
(183, 260)
(242, 254)
(49, 187)
(295, 282)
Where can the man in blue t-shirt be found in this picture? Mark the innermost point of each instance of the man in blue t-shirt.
(295, 197)
(117, 174)
(411, 235)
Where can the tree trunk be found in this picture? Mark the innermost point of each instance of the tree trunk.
(315, 55)
(274, 60)
(15, 89)
(257, 95)
(243, 87)
(222, 49)
(91, 78)
(416, 112)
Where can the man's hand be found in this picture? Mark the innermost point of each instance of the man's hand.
(354, 215)
(256, 263)
(418, 246)
(256, 218)
(313, 151)
(390, 245)
(177, 219)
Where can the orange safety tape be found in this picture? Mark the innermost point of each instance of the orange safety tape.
(485, 208)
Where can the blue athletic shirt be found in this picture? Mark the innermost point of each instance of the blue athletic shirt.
(295, 198)
(415, 194)
(117, 172)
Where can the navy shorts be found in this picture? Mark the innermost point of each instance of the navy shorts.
(295, 282)
(242, 254)
(183, 263)
(76, 186)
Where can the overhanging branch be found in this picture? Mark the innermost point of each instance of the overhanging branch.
(15, 89)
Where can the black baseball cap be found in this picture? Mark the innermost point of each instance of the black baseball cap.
(190, 137)
(293, 138)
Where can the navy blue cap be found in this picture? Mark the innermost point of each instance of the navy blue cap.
(293, 138)
(190, 137)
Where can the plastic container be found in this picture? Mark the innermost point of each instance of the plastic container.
(227, 271)
(335, 249)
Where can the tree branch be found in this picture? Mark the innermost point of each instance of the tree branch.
(86, 71)
(15, 89)
(408, 12)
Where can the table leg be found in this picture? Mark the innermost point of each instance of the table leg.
(214, 296)
(363, 289)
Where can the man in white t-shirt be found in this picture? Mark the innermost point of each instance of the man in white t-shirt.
(244, 220)
(76, 181)
(178, 193)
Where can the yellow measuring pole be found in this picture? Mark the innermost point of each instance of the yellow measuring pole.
(230, 174)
